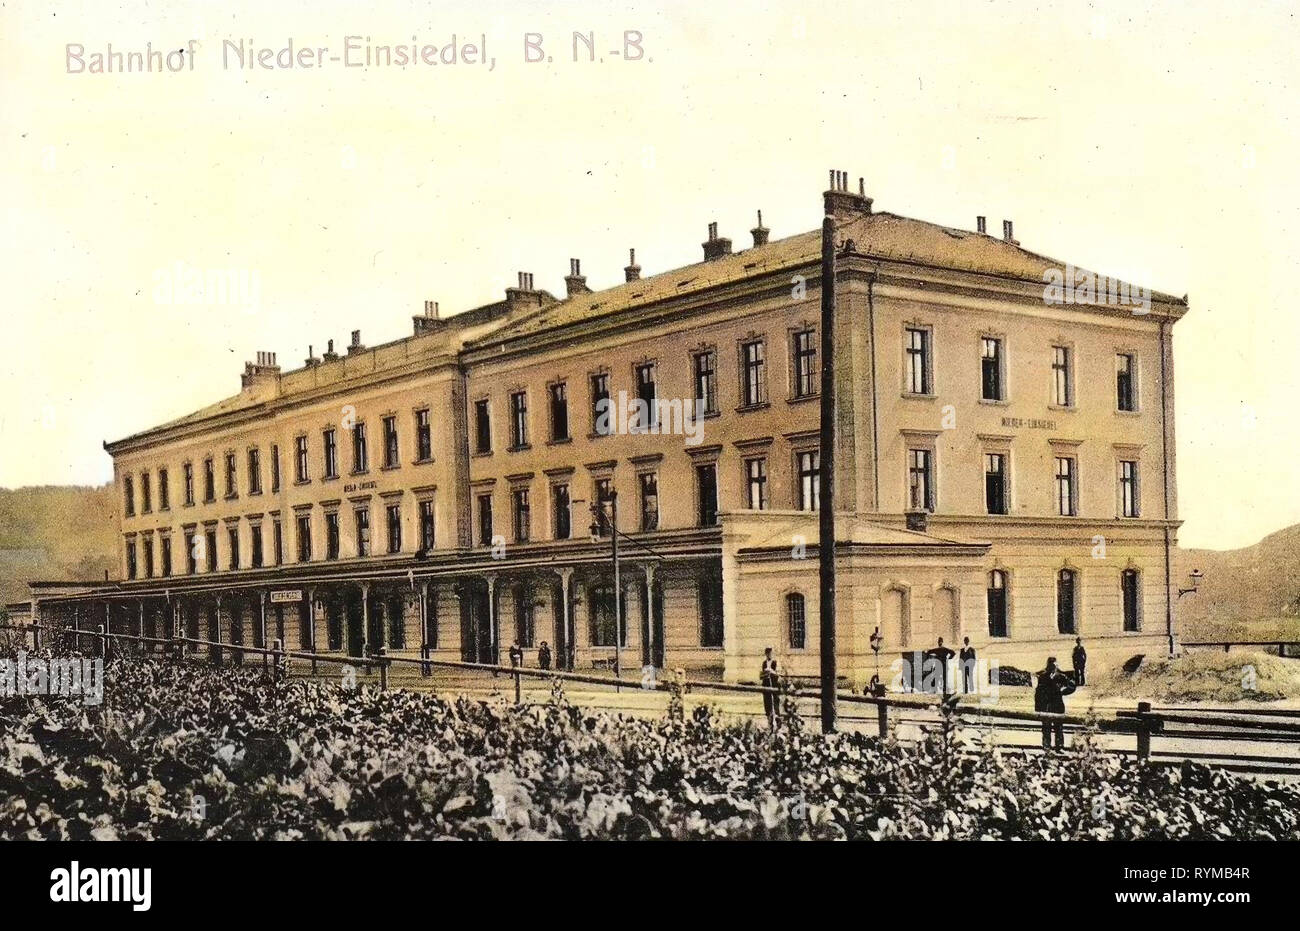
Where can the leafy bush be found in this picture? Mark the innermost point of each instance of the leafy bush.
(182, 752)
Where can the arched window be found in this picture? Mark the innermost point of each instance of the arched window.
(997, 602)
(1131, 588)
(796, 620)
(1066, 601)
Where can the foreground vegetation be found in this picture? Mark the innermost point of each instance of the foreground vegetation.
(189, 753)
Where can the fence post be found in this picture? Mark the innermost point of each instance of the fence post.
(425, 669)
(1143, 730)
(103, 643)
(277, 657)
(518, 697)
(882, 717)
(1227, 647)
(382, 653)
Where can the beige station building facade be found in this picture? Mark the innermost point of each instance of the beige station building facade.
(1004, 471)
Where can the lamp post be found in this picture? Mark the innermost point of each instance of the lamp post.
(877, 642)
(598, 510)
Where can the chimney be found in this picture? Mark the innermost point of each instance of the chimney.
(329, 355)
(715, 248)
(840, 202)
(263, 371)
(631, 271)
(311, 359)
(356, 345)
(430, 320)
(575, 282)
(760, 232)
(980, 226)
(524, 296)
(1007, 233)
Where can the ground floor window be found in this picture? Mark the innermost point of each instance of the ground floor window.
(525, 613)
(997, 602)
(1131, 586)
(603, 621)
(1066, 584)
(711, 610)
(796, 620)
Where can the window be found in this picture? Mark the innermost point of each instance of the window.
(187, 475)
(706, 381)
(563, 518)
(165, 545)
(232, 535)
(146, 494)
(426, 525)
(300, 459)
(1066, 585)
(1129, 502)
(423, 436)
(1066, 487)
(997, 602)
(753, 387)
(920, 479)
(362, 516)
(1125, 382)
(331, 534)
(522, 514)
(1062, 377)
(210, 547)
(209, 481)
(711, 609)
(254, 471)
(360, 449)
(519, 420)
(304, 538)
(601, 416)
(330, 442)
(805, 363)
(918, 360)
(706, 485)
(148, 557)
(647, 394)
(275, 467)
(649, 483)
(277, 539)
(256, 540)
(393, 612)
(393, 518)
(796, 620)
(559, 394)
(604, 621)
(128, 496)
(482, 427)
(391, 452)
(484, 520)
(756, 483)
(164, 492)
(130, 559)
(1130, 586)
(991, 369)
(603, 494)
(232, 488)
(808, 467)
(995, 483)
(525, 614)
(191, 555)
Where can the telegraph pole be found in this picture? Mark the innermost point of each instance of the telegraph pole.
(618, 600)
(826, 481)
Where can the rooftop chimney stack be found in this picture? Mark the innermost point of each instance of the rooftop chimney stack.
(356, 345)
(263, 371)
(842, 203)
(981, 226)
(311, 359)
(631, 271)
(1007, 234)
(575, 282)
(525, 296)
(715, 248)
(760, 232)
(329, 355)
(430, 320)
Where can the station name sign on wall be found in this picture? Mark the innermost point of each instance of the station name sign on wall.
(1029, 423)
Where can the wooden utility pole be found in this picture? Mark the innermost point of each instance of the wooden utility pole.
(826, 481)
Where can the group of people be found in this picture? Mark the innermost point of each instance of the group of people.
(543, 655)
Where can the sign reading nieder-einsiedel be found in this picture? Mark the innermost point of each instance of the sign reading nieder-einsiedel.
(1028, 423)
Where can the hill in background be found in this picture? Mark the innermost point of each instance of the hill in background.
(55, 532)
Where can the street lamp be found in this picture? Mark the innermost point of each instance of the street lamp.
(1194, 577)
(877, 642)
(598, 511)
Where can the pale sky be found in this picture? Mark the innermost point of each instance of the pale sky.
(1154, 142)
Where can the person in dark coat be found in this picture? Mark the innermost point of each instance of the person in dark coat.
(516, 655)
(769, 679)
(967, 657)
(544, 655)
(1049, 697)
(941, 655)
(1080, 658)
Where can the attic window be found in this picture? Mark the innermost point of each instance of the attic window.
(682, 284)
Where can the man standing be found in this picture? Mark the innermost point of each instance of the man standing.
(1080, 657)
(516, 655)
(940, 655)
(1049, 698)
(769, 679)
(544, 655)
(967, 657)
